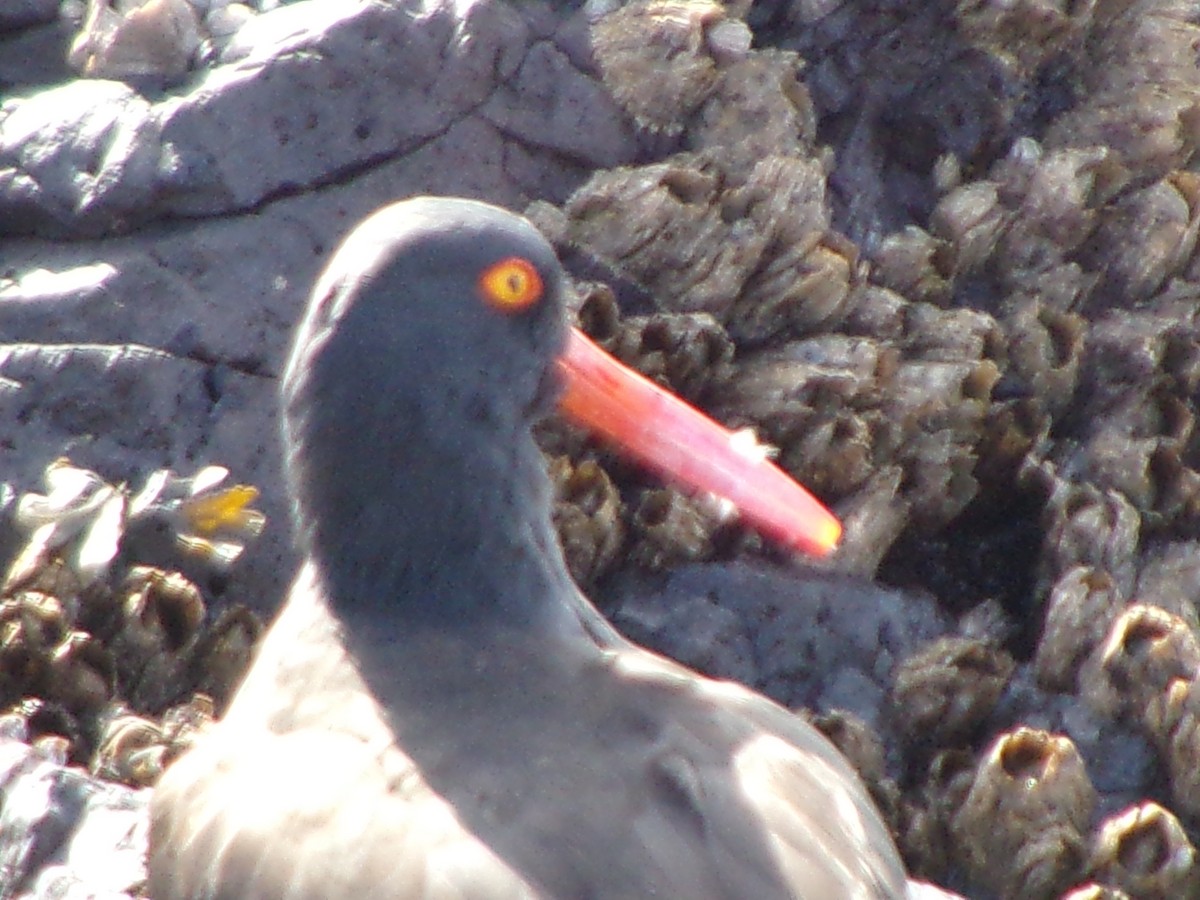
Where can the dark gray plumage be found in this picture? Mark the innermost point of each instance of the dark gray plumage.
(438, 712)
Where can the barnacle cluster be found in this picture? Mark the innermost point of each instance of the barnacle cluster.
(944, 258)
(108, 667)
(88, 636)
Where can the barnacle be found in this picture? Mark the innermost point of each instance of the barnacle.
(1021, 827)
(1146, 650)
(1145, 852)
(656, 60)
(945, 691)
(134, 750)
(668, 527)
(1082, 605)
(587, 514)
(222, 653)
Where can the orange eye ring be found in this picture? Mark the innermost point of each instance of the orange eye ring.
(511, 285)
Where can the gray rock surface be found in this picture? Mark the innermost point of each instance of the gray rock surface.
(22, 13)
(159, 247)
(821, 641)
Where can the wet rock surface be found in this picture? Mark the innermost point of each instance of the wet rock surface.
(942, 256)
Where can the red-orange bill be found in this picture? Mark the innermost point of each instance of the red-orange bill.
(677, 441)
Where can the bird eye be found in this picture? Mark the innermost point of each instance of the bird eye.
(511, 285)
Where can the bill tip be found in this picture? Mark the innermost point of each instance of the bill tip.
(827, 536)
(821, 539)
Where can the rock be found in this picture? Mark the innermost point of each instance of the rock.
(24, 13)
(59, 827)
(811, 639)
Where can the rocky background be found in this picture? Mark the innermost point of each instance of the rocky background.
(942, 255)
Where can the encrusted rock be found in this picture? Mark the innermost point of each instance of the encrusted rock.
(688, 353)
(752, 248)
(65, 834)
(656, 60)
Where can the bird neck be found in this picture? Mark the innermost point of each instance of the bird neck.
(446, 524)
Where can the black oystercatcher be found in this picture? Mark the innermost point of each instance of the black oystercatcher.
(438, 711)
